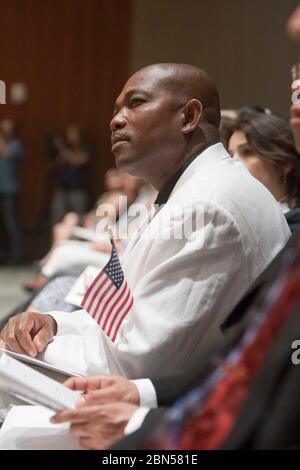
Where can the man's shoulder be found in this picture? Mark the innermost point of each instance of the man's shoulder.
(226, 187)
(227, 183)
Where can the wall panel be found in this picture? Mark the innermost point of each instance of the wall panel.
(73, 56)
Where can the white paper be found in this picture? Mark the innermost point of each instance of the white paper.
(29, 428)
(39, 363)
(29, 385)
(83, 282)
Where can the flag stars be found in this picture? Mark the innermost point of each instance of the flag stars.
(114, 271)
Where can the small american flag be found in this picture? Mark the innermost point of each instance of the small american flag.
(108, 299)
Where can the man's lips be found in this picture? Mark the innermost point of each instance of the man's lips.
(118, 143)
(118, 139)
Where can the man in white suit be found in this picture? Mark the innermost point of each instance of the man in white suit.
(165, 129)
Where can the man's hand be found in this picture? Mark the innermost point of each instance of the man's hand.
(28, 333)
(102, 389)
(97, 427)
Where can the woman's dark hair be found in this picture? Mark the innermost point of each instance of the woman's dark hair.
(271, 137)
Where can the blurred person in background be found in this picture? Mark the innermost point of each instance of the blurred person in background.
(113, 184)
(245, 111)
(70, 160)
(264, 144)
(74, 247)
(230, 116)
(11, 153)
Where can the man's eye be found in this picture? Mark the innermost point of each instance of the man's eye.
(136, 101)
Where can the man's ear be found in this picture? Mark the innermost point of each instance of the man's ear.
(192, 112)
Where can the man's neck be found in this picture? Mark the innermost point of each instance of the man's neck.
(162, 179)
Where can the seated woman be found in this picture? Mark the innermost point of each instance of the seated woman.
(264, 143)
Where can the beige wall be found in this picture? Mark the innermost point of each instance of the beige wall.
(242, 44)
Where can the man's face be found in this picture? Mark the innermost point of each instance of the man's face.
(146, 127)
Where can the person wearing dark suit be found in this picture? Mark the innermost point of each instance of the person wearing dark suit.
(169, 387)
(293, 219)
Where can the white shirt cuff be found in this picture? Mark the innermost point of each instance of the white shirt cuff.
(136, 420)
(147, 393)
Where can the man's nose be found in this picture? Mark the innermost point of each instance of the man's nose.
(118, 122)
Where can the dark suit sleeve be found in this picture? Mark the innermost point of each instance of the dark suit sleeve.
(170, 387)
(257, 288)
(137, 439)
(270, 417)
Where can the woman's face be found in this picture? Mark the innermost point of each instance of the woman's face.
(267, 173)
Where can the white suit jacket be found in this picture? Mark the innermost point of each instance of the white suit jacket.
(183, 288)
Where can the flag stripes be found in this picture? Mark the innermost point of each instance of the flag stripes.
(108, 299)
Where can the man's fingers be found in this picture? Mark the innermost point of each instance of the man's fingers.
(99, 397)
(80, 430)
(42, 338)
(62, 416)
(88, 383)
(13, 345)
(87, 444)
(80, 415)
(22, 333)
(98, 381)
(10, 339)
(71, 383)
(77, 383)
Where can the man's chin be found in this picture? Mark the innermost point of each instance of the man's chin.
(125, 163)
